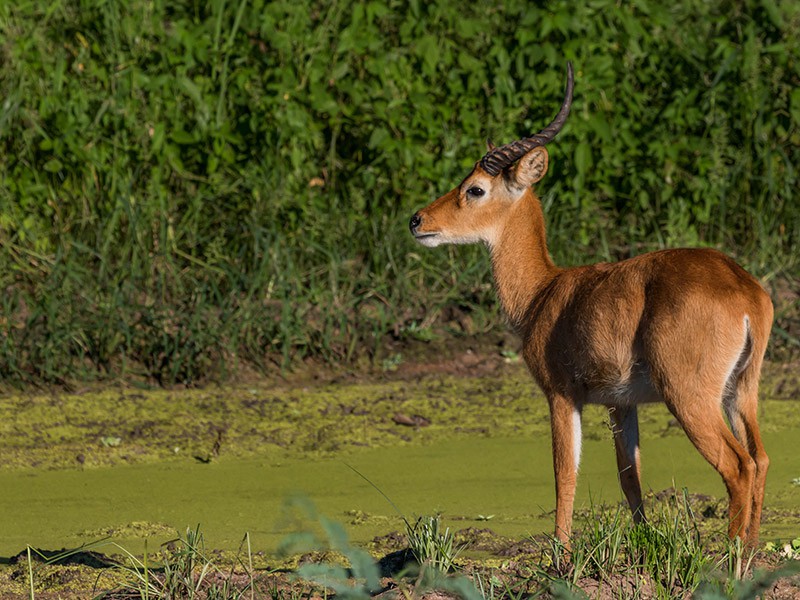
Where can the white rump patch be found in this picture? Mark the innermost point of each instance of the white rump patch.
(730, 397)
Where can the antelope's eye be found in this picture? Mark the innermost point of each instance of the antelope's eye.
(475, 192)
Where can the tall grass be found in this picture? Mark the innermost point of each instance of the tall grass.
(664, 557)
(187, 186)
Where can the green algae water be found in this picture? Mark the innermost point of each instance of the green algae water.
(483, 465)
(502, 483)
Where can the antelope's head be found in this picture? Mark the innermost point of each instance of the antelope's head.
(475, 210)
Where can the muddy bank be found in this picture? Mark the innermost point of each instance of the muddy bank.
(468, 396)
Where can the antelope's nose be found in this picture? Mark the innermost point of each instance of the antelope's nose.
(415, 222)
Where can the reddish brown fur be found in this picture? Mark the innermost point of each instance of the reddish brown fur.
(665, 326)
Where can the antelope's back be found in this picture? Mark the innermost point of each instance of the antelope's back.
(609, 332)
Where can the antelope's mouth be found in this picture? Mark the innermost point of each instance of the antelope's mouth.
(427, 239)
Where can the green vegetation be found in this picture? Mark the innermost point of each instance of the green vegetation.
(187, 187)
(183, 569)
(431, 544)
(358, 582)
(666, 551)
(663, 558)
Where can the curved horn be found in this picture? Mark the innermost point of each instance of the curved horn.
(498, 159)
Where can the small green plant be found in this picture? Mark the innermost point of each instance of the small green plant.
(110, 441)
(510, 356)
(431, 545)
(596, 550)
(599, 548)
(181, 570)
(669, 548)
(492, 587)
(390, 363)
(428, 543)
(418, 331)
(739, 558)
(185, 571)
(789, 549)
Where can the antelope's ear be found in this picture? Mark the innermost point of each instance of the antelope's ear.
(531, 167)
(489, 145)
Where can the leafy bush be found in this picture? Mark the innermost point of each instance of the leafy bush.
(187, 184)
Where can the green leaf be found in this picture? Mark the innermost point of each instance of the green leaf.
(364, 567)
(773, 12)
(179, 136)
(795, 105)
(428, 48)
(378, 136)
(583, 158)
(53, 165)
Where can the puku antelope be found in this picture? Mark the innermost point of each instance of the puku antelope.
(687, 327)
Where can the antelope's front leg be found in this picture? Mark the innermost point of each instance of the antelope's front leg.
(565, 421)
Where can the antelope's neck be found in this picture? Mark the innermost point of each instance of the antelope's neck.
(521, 264)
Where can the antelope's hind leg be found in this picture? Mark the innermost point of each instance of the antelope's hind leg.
(701, 419)
(625, 426)
(741, 408)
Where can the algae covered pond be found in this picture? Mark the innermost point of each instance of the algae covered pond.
(135, 465)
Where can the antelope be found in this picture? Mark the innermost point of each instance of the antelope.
(686, 327)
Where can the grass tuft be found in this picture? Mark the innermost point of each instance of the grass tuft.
(431, 545)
